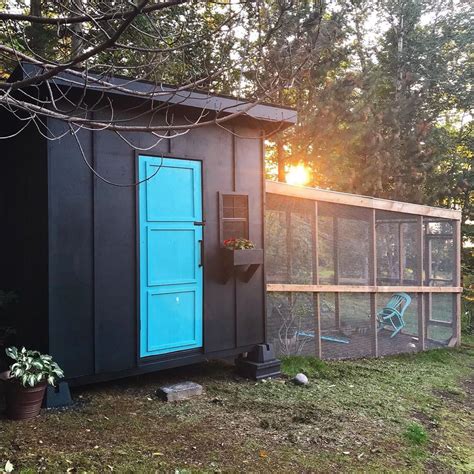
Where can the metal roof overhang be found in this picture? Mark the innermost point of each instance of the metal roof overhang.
(162, 93)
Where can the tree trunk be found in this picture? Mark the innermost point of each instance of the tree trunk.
(77, 44)
(280, 154)
(35, 31)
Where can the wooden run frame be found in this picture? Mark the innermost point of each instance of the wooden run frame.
(421, 286)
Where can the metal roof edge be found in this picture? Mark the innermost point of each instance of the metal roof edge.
(163, 93)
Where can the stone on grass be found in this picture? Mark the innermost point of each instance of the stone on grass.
(179, 391)
(301, 379)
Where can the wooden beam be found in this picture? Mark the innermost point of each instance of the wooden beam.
(317, 339)
(373, 281)
(421, 321)
(453, 342)
(428, 308)
(373, 324)
(372, 249)
(420, 278)
(436, 322)
(289, 260)
(315, 263)
(361, 288)
(401, 253)
(457, 316)
(427, 261)
(457, 240)
(315, 244)
(337, 302)
(420, 251)
(316, 194)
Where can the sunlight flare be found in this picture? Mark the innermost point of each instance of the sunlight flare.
(298, 175)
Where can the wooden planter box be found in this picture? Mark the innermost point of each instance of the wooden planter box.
(246, 261)
(244, 257)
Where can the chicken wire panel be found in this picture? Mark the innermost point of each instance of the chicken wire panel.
(343, 244)
(440, 323)
(301, 247)
(353, 251)
(345, 326)
(397, 248)
(291, 322)
(439, 252)
(395, 335)
(276, 251)
(289, 240)
(326, 250)
(327, 309)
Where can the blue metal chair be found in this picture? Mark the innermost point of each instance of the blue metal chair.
(392, 314)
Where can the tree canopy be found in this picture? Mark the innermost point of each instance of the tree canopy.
(383, 88)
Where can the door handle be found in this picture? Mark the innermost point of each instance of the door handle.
(201, 223)
(201, 253)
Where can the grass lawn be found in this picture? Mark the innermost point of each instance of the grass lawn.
(407, 413)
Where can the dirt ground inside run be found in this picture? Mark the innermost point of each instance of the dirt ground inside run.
(411, 413)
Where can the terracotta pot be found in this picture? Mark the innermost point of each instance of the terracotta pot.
(24, 402)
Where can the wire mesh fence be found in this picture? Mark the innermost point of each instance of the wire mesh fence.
(349, 281)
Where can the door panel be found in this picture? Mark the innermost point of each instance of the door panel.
(170, 202)
(167, 266)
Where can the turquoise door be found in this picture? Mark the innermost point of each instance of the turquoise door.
(170, 209)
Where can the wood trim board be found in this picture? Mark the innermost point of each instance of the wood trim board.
(284, 287)
(336, 197)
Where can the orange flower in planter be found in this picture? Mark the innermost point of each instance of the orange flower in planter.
(238, 244)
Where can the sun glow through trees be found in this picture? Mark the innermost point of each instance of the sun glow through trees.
(298, 175)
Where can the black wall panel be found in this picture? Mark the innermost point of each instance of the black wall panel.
(214, 147)
(71, 277)
(93, 245)
(23, 240)
(114, 254)
(250, 295)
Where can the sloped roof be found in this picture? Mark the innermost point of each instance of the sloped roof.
(113, 84)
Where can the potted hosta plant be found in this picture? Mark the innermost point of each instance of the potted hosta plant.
(29, 375)
(239, 252)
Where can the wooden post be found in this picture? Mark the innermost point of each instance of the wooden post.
(420, 249)
(421, 321)
(457, 242)
(288, 245)
(427, 261)
(289, 259)
(401, 253)
(373, 282)
(315, 244)
(337, 314)
(315, 262)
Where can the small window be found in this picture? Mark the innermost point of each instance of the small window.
(234, 216)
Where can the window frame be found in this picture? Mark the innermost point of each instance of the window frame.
(223, 219)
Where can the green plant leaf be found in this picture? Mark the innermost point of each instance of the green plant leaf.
(32, 367)
(12, 352)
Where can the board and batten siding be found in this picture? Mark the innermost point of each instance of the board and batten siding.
(93, 307)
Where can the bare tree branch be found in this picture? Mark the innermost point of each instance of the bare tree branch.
(115, 15)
